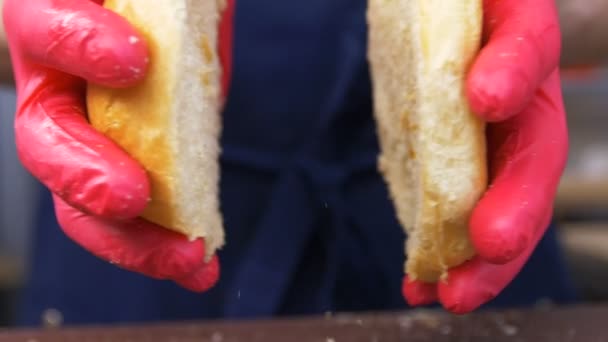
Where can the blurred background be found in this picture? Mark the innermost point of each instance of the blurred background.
(581, 205)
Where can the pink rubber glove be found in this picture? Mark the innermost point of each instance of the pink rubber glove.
(98, 190)
(515, 85)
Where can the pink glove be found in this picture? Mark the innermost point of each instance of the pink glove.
(515, 85)
(98, 190)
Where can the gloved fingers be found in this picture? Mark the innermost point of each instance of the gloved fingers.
(59, 147)
(203, 278)
(523, 48)
(135, 245)
(527, 157)
(79, 38)
(476, 282)
(417, 293)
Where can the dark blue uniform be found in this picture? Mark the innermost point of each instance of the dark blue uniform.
(309, 224)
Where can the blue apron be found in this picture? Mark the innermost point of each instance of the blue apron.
(309, 224)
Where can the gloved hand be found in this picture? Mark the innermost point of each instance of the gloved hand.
(56, 46)
(515, 85)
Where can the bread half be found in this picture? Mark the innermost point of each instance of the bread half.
(433, 148)
(170, 123)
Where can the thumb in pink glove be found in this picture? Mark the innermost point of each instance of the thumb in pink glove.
(515, 85)
(98, 190)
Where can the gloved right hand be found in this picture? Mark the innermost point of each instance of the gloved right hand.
(56, 47)
(514, 85)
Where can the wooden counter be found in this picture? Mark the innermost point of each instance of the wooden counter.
(581, 324)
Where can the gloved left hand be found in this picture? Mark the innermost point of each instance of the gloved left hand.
(98, 190)
(515, 85)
